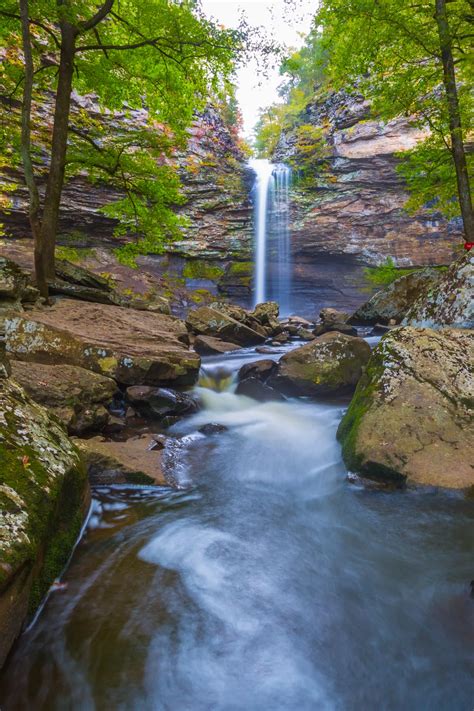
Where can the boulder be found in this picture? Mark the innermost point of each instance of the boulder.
(410, 419)
(207, 345)
(44, 495)
(238, 313)
(76, 396)
(396, 299)
(211, 428)
(207, 321)
(134, 461)
(334, 320)
(331, 364)
(266, 312)
(160, 402)
(448, 301)
(13, 281)
(84, 293)
(253, 381)
(109, 340)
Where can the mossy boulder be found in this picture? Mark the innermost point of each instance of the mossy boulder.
(207, 345)
(410, 419)
(237, 279)
(331, 364)
(43, 498)
(207, 321)
(76, 396)
(109, 340)
(395, 300)
(449, 301)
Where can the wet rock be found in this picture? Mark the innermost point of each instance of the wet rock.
(448, 301)
(379, 329)
(396, 299)
(160, 402)
(283, 337)
(109, 340)
(265, 350)
(305, 335)
(410, 419)
(253, 381)
(158, 441)
(43, 499)
(207, 321)
(261, 369)
(212, 428)
(334, 320)
(258, 390)
(238, 313)
(207, 345)
(77, 397)
(331, 364)
(129, 462)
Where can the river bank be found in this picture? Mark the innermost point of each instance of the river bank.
(267, 582)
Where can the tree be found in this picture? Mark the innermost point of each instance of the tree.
(161, 56)
(412, 58)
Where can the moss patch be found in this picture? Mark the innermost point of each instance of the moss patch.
(199, 269)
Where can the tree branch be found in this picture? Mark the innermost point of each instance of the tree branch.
(101, 13)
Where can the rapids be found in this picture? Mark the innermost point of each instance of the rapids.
(268, 582)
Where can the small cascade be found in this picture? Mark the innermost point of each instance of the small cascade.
(272, 274)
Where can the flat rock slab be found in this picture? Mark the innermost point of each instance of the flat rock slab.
(129, 462)
(411, 417)
(133, 348)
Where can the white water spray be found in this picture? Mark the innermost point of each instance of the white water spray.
(263, 168)
(272, 234)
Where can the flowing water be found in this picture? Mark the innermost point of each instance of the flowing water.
(267, 583)
(273, 268)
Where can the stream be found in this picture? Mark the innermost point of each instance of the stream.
(266, 582)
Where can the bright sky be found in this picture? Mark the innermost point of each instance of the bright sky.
(284, 22)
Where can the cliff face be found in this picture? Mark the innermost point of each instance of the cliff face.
(214, 177)
(353, 205)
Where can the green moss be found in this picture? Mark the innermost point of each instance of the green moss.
(240, 268)
(73, 254)
(200, 269)
(44, 508)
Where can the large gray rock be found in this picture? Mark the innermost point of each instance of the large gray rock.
(448, 301)
(43, 498)
(76, 396)
(332, 363)
(395, 300)
(208, 345)
(150, 349)
(411, 416)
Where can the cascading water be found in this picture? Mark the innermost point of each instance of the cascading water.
(272, 235)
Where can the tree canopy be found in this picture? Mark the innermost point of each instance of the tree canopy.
(154, 62)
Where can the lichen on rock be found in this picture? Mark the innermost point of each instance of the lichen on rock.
(43, 496)
(411, 418)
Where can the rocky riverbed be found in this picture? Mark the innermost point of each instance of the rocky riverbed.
(120, 376)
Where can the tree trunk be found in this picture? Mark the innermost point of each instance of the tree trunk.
(57, 166)
(34, 200)
(455, 126)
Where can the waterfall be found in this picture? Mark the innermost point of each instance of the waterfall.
(272, 273)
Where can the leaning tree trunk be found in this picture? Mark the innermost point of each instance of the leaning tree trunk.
(34, 200)
(54, 185)
(455, 125)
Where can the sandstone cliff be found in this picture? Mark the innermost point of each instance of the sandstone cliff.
(353, 204)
